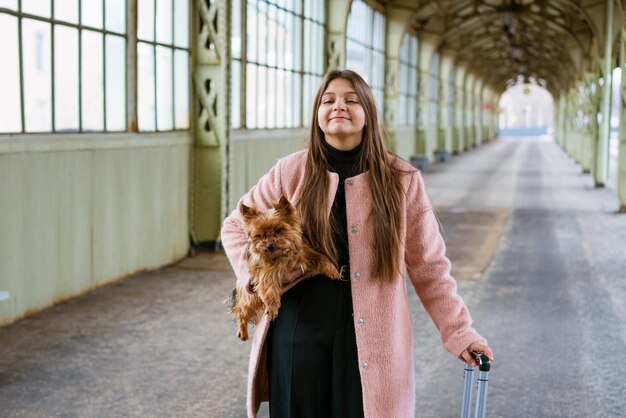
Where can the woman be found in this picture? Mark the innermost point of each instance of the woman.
(345, 348)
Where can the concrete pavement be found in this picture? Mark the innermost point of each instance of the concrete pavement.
(539, 253)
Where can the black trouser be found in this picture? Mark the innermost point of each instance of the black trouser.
(311, 353)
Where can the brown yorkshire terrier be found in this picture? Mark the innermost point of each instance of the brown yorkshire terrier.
(276, 246)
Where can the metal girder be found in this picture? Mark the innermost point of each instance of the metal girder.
(551, 39)
(211, 130)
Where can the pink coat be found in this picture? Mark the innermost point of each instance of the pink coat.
(384, 336)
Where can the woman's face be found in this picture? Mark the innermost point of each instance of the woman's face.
(341, 116)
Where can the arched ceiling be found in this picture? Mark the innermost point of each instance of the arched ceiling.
(549, 42)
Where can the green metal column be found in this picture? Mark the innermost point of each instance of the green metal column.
(337, 12)
(460, 111)
(557, 121)
(478, 106)
(621, 165)
(452, 110)
(391, 100)
(422, 114)
(211, 85)
(601, 167)
(424, 146)
(592, 96)
(570, 121)
(560, 122)
(469, 115)
(442, 150)
(577, 114)
(396, 22)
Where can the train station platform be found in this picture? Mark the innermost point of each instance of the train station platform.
(538, 252)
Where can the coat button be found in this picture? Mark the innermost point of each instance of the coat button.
(350, 182)
(365, 366)
(353, 229)
(356, 275)
(360, 321)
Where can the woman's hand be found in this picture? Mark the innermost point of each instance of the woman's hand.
(477, 346)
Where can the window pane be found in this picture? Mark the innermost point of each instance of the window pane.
(287, 98)
(66, 108)
(262, 32)
(145, 20)
(91, 13)
(115, 83)
(181, 23)
(381, 32)
(307, 99)
(36, 7)
(236, 94)
(281, 38)
(296, 89)
(379, 62)
(66, 10)
(402, 110)
(294, 5)
(9, 4)
(10, 104)
(261, 103)
(271, 108)
(145, 87)
(321, 10)
(235, 39)
(37, 76)
(251, 95)
(296, 41)
(115, 15)
(181, 89)
(309, 50)
(281, 82)
(92, 103)
(319, 50)
(165, 89)
(271, 36)
(289, 48)
(251, 33)
(164, 21)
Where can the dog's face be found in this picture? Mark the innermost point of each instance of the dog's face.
(273, 233)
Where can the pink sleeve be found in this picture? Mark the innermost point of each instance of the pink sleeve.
(429, 272)
(267, 191)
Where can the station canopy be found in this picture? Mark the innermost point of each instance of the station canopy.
(548, 42)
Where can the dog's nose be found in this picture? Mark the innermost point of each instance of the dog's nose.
(271, 247)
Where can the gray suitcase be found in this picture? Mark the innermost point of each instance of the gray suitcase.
(484, 365)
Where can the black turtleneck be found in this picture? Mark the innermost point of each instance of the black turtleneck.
(345, 164)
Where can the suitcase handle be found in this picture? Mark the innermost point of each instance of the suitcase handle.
(484, 364)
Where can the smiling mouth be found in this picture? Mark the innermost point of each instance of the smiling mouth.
(340, 118)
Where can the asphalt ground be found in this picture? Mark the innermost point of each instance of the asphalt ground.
(538, 253)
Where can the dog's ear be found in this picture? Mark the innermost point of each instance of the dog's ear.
(249, 212)
(283, 206)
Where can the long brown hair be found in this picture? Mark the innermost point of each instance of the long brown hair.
(383, 178)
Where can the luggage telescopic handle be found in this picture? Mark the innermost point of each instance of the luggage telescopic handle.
(484, 364)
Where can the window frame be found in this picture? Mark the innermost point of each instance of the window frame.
(299, 77)
(131, 41)
(374, 46)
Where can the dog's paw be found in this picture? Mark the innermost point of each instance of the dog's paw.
(331, 271)
(242, 331)
(242, 335)
(272, 312)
